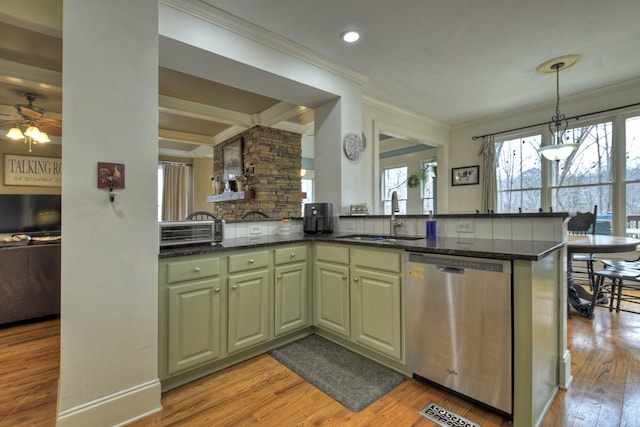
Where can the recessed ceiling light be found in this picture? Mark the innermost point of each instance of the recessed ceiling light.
(350, 36)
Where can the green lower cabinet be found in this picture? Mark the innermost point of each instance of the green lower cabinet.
(248, 309)
(331, 298)
(194, 315)
(291, 299)
(375, 308)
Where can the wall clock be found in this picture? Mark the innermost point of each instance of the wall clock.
(353, 146)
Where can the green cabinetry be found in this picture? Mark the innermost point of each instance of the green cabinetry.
(375, 300)
(331, 289)
(357, 295)
(190, 324)
(291, 308)
(219, 309)
(248, 310)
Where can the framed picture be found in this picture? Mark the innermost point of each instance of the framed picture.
(468, 175)
(232, 160)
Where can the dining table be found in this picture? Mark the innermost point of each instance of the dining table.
(594, 244)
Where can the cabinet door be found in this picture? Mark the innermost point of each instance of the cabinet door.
(331, 297)
(194, 324)
(290, 298)
(376, 311)
(248, 309)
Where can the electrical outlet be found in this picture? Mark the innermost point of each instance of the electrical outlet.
(465, 227)
(255, 230)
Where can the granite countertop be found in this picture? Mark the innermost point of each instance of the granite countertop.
(532, 250)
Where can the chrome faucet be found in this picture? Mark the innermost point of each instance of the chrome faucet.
(394, 208)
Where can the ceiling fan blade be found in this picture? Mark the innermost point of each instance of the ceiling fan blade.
(8, 122)
(53, 122)
(51, 129)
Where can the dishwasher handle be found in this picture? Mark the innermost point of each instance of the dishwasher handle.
(450, 270)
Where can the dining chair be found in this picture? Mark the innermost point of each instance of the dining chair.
(623, 286)
(200, 215)
(583, 223)
(255, 215)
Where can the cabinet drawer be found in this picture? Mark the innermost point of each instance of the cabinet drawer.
(248, 261)
(290, 254)
(180, 271)
(377, 260)
(332, 253)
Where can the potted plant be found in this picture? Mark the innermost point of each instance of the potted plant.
(421, 174)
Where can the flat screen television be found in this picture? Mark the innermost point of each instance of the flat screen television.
(29, 213)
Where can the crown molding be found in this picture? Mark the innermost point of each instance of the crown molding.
(206, 12)
(391, 108)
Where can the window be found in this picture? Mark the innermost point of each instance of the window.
(394, 179)
(160, 190)
(632, 176)
(604, 164)
(519, 175)
(307, 187)
(429, 188)
(584, 179)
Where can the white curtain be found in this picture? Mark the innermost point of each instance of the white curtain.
(489, 185)
(175, 192)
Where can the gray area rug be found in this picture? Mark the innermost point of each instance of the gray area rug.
(347, 377)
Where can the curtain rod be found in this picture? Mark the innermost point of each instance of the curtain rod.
(174, 163)
(546, 123)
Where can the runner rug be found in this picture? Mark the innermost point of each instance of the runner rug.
(353, 380)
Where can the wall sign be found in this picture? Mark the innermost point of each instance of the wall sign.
(32, 171)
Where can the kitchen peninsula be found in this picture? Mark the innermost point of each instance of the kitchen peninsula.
(254, 293)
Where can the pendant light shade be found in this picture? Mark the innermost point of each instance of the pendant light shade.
(558, 149)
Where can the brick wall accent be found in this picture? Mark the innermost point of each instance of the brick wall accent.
(276, 156)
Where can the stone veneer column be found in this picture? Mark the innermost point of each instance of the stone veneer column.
(276, 156)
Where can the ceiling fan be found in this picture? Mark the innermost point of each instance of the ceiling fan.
(31, 123)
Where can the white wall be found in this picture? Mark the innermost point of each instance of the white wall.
(196, 40)
(108, 359)
(377, 117)
(463, 150)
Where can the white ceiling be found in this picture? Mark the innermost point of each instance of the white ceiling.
(452, 60)
(461, 60)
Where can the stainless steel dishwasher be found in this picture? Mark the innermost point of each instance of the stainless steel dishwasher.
(458, 325)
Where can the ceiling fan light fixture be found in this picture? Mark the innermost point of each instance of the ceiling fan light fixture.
(43, 137)
(33, 132)
(15, 133)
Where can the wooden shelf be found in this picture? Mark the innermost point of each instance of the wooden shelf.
(229, 196)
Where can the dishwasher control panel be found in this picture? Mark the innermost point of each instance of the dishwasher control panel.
(462, 263)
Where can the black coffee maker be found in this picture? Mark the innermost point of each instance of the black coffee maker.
(318, 218)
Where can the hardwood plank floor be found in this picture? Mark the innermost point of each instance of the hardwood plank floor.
(29, 365)
(605, 390)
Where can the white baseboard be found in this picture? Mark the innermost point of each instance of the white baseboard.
(116, 409)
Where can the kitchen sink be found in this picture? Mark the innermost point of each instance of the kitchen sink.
(378, 238)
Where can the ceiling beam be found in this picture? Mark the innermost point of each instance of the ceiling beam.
(34, 78)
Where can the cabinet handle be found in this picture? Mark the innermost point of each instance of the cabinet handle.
(355, 279)
(293, 254)
(251, 261)
(217, 290)
(344, 277)
(279, 276)
(197, 269)
(234, 287)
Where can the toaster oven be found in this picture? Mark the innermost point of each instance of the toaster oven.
(173, 233)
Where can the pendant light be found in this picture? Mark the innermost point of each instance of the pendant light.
(558, 150)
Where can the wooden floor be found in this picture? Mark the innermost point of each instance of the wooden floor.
(605, 391)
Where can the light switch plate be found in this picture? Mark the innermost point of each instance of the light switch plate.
(465, 227)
